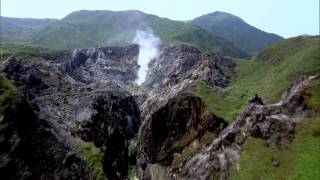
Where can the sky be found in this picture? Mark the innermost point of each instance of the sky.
(287, 18)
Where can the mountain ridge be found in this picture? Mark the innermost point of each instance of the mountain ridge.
(20, 28)
(236, 30)
(93, 28)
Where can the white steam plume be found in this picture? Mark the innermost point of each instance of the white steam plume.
(148, 49)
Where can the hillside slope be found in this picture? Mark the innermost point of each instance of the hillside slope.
(19, 29)
(236, 30)
(105, 28)
(262, 142)
(269, 74)
(82, 29)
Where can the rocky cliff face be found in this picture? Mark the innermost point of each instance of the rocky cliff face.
(110, 64)
(81, 99)
(177, 69)
(116, 120)
(175, 132)
(177, 63)
(176, 123)
(29, 148)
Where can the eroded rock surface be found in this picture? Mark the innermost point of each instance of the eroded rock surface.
(116, 120)
(176, 124)
(178, 68)
(82, 99)
(175, 132)
(117, 64)
(30, 150)
(177, 63)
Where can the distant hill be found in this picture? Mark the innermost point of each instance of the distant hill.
(19, 29)
(237, 31)
(83, 29)
(218, 32)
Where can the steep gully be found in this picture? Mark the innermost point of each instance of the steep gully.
(163, 128)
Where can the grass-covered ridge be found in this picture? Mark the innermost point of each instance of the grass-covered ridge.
(300, 160)
(283, 63)
(236, 30)
(27, 52)
(111, 27)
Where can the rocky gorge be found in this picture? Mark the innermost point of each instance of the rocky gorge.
(80, 115)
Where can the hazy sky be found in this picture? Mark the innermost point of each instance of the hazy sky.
(284, 17)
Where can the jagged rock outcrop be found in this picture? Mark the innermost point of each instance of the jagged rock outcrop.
(29, 150)
(176, 123)
(175, 132)
(94, 106)
(261, 121)
(116, 64)
(176, 63)
(110, 128)
(179, 67)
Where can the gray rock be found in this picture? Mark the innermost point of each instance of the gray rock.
(116, 64)
(79, 100)
(176, 124)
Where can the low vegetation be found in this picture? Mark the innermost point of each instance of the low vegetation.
(312, 95)
(300, 160)
(10, 99)
(209, 42)
(281, 66)
(93, 158)
(26, 52)
(9, 96)
(270, 74)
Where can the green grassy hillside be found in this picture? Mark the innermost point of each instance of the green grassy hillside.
(283, 63)
(105, 28)
(83, 29)
(269, 75)
(300, 161)
(236, 30)
(27, 52)
(19, 29)
(9, 98)
(62, 35)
